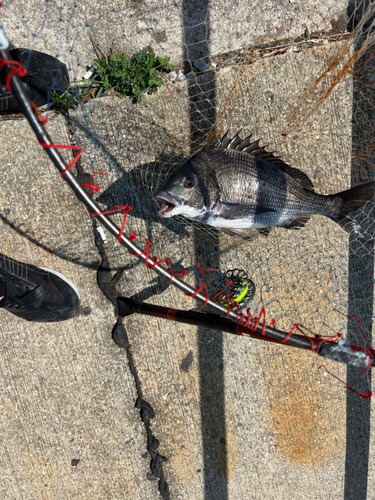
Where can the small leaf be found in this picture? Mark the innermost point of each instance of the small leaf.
(99, 92)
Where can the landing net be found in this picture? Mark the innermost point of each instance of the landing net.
(304, 87)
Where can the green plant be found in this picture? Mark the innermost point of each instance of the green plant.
(70, 99)
(130, 76)
(64, 102)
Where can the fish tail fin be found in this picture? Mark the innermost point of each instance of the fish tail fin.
(352, 200)
(355, 198)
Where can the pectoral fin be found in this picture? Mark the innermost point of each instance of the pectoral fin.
(298, 223)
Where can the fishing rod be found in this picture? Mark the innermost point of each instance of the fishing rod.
(341, 351)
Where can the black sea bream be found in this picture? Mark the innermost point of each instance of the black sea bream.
(238, 185)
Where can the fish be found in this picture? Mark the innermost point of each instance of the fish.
(238, 185)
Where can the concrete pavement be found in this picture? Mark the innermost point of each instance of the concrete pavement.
(235, 418)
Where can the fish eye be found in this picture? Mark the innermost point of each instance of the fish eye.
(189, 182)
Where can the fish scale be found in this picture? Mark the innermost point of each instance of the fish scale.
(239, 185)
(262, 184)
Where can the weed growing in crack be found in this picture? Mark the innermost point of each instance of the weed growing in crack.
(127, 76)
(130, 76)
(71, 98)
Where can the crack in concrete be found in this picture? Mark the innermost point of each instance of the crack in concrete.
(107, 285)
(120, 336)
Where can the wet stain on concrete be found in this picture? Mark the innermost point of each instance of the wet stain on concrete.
(305, 411)
(187, 362)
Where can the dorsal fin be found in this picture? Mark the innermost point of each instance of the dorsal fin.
(244, 144)
(235, 141)
(255, 150)
(224, 141)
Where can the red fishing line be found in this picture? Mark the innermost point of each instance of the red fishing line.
(61, 146)
(364, 395)
(200, 289)
(15, 69)
(146, 252)
(92, 186)
(43, 120)
(369, 351)
(333, 338)
(202, 270)
(114, 211)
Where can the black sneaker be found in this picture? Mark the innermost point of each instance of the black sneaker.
(36, 294)
(45, 74)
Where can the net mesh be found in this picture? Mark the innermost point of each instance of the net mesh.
(304, 87)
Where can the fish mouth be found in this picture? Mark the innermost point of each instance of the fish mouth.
(169, 203)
